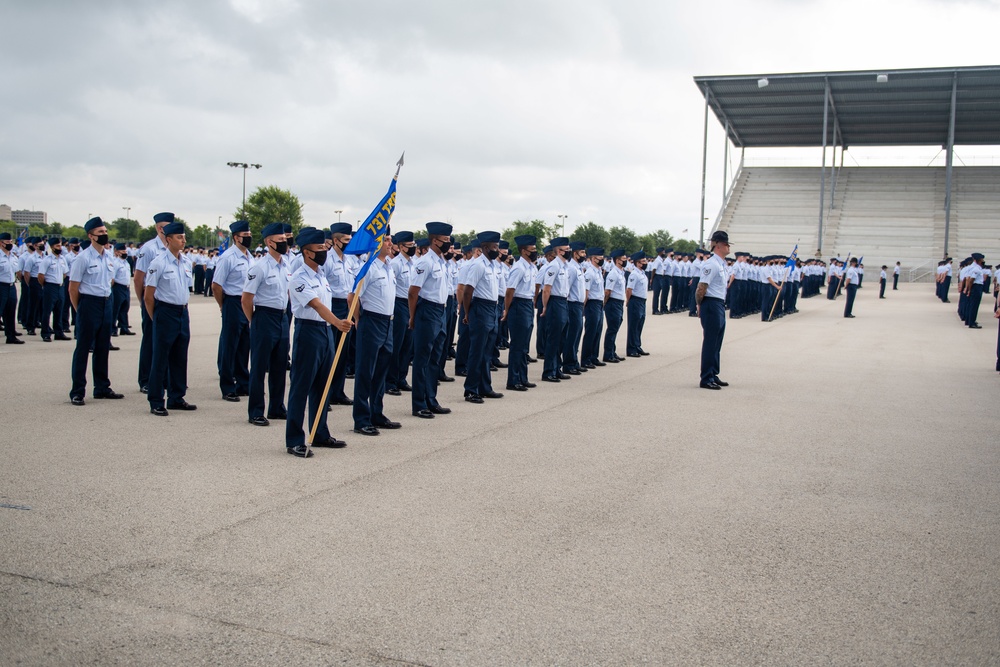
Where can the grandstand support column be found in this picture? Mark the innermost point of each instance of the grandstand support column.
(822, 171)
(725, 165)
(704, 174)
(949, 151)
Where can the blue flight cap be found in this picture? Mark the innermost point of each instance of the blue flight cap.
(272, 229)
(54, 240)
(119, 246)
(402, 237)
(669, 250)
(475, 243)
(286, 229)
(547, 249)
(594, 252)
(578, 245)
(163, 217)
(342, 228)
(488, 237)
(504, 245)
(239, 226)
(5, 236)
(637, 256)
(525, 239)
(84, 244)
(559, 240)
(308, 236)
(90, 225)
(327, 235)
(703, 251)
(617, 252)
(173, 228)
(661, 249)
(421, 243)
(978, 255)
(438, 228)
(73, 239)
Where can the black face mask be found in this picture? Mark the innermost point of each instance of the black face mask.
(320, 257)
(449, 255)
(57, 251)
(8, 246)
(410, 252)
(245, 241)
(281, 247)
(445, 246)
(102, 239)
(533, 256)
(492, 254)
(600, 262)
(567, 255)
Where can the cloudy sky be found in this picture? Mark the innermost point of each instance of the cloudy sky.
(507, 110)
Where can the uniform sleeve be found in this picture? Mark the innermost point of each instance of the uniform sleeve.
(473, 274)
(77, 270)
(221, 270)
(709, 271)
(419, 274)
(551, 271)
(143, 259)
(153, 274)
(301, 292)
(255, 276)
(515, 276)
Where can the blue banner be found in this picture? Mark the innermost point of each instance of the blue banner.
(790, 264)
(368, 238)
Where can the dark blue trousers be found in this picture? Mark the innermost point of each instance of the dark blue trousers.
(8, 309)
(540, 338)
(556, 320)
(574, 333)
(462, 349)
(339, 308)
(234, 348)
(371, 366)
(268, 356)
(145, 345)
(852, 291)
(93, 329)
(636, 320)
(692, 303)
(503, 331)
(452, 324)
(168, 370)
(67, 306)
(119, 311)
(402, 344)
(35, 297)
(312, 356)
(657, 290)
(664, 303)
(613, 312)
(495, 356)
(520, 316)
(593, 315)
(22, 305)
(713, 325)
(482, 334)
(972, 307)
(52, 301)
(429, 338)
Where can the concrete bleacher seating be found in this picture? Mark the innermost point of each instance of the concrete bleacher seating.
(886, 214)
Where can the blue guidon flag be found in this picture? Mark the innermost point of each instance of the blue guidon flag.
(369, 237)
(790, 264)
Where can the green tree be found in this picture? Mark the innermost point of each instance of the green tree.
(124, 229)
(56, 229)
(685, 245)
(661, 238)
(593, 235)
(623, 237)
(419, 234)
(459, 239)
(537, 228)
(269, 204)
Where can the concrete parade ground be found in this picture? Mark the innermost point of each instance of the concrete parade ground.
(838, 504)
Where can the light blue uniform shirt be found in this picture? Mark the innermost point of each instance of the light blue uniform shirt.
(638, 282)
(53, 268)
(9, 264)
(338, 274)
(122, 273)
(522, 279)
(149, 251)
(594, 281)
(616, 283)
(431, 274)
(402, 269)
(94, 271)
(305, 286)
(268, 281)
(378, 291)
(481, 275)
(231, 271)
(715, 274)
(170, 277)
(577, 283)
(29, 263)
(556, 274)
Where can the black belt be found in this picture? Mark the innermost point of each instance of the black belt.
(638, 298)
(278, 311)
(713, 298)
(490, 301)
(404, 299)
(96, 298)
(378, 316)
(553, 297)
(522, 298)
(170, 306)
(232, 296)
(299, 321)
(338, 300)
(7, 284)
(429, 303)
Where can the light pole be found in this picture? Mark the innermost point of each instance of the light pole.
(244, 166)
(338, 214)
(562, 223)
(128, 212)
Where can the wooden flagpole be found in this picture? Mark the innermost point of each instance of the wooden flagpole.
(781, 287)
(336, 357)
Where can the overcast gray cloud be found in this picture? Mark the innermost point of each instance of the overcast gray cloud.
(506, 110)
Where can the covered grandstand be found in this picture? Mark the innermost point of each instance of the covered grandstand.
(916, 215)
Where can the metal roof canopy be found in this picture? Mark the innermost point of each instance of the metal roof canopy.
(912, 108)
(902, 107)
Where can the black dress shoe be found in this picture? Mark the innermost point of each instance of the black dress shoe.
(540, 356)
(331, 442)
(493, 369)
(46, 339)
(259, 421)
(31, 332)
(460, 374)
(530, 385)
(643, 353)
(849, 316)
(572, 371)
(975, 326)
(532, 360)
(14, 341)
(301, 451)
(367, 430)
(144, 389)
(474, 398)
(183, 405)
(563, 376)
(391, 425)
(499, 364)
(600, 363)
(721, 383)
(61, 337)
(76, 400)
(492, 394)
(438, 410)
(110, 393)
(114, 334)
(423, 414)
(634, 354)
(405, 387)
(113, 348)
(126, 332)
(159, 412)
(445, 378)
(392, 391)
(619, 358)
(341, 400)
(517, 387)
(231, 397)
(610, 361)
(549, 378)
(709, 385)
(278, 415)
(590, 366)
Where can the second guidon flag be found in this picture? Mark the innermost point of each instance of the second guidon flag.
(790, 264)
(369, 237)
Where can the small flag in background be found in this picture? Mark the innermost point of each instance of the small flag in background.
(791, 258)
(369, 237)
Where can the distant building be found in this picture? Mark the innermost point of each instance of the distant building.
(25, 218)
(4, 213)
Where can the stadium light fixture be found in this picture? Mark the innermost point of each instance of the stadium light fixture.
(882, 78)
(762, 82)
(244, 166)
